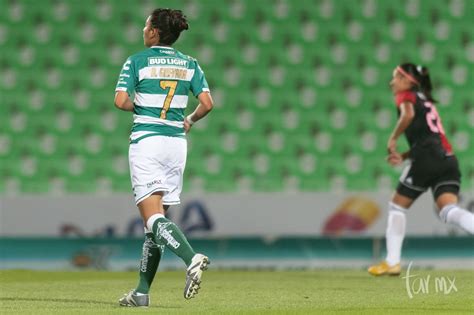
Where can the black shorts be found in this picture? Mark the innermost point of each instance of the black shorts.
(430, 169)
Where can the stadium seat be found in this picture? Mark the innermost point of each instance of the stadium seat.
(301, 90)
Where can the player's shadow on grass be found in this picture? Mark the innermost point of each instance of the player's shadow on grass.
(112, 304)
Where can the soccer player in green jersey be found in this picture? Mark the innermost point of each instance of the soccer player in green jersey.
(160, 78)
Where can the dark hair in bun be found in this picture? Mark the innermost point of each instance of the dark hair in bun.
(170, 23)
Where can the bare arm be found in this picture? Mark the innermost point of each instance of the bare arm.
(407, 113)
(204, 107)
(122, 101)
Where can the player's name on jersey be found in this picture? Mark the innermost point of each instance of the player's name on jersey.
(175, 73)
(155, 61)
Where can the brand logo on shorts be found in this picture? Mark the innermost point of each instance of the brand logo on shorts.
(153, 183)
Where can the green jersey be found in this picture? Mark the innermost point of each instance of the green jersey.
(161, 78)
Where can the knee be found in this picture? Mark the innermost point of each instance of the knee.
(446, 199)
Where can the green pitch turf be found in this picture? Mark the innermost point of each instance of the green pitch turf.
(239, 292)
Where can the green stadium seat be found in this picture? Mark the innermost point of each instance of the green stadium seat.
(303, 93)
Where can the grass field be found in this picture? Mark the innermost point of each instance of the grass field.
(238, 292)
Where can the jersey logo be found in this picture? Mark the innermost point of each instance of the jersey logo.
(168, 52)
(155, 61)
(126, 65)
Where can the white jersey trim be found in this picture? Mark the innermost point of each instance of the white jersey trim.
(141, 119)
(157, 100)
(165, 47)
(138, 134)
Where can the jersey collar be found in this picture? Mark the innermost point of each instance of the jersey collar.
(162, 47)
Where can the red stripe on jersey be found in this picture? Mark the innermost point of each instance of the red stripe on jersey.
(446, 145)
(405, 96)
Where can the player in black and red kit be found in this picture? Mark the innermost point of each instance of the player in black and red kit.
(432, 162)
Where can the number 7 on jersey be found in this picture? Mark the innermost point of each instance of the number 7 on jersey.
(171, 85)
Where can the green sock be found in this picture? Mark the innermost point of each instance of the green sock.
(151, 255)
(168, 234)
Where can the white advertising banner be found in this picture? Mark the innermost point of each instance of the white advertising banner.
(222, 215)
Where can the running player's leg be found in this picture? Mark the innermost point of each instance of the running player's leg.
(450, 212)
(166, 232)
(199, 262)
(410, 187)
(445, 191)
(396, 226)
(152, 253)
(151, 256)
(407, 192)
(394, 235)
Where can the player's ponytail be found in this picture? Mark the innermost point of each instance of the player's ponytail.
(425, 82)
(420, 77)
(170, 23)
